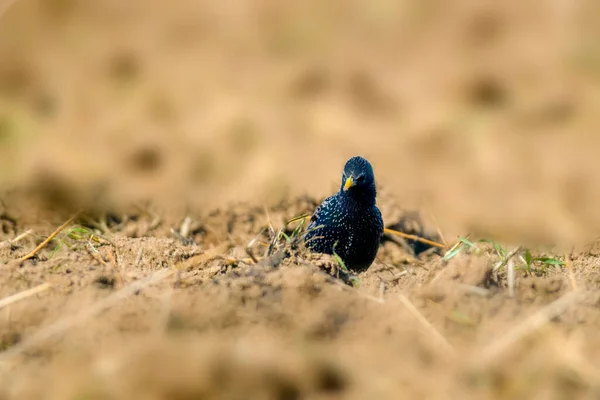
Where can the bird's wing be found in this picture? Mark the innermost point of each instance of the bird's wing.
(318, 210)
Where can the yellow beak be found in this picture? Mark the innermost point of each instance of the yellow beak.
(349, 183)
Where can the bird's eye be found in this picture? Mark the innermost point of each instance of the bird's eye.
(360, 179)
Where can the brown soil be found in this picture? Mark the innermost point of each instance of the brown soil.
(224, 326)
(187, 133)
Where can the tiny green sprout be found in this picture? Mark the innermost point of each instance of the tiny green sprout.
(462, 244)
(528, 260)
(549, 261)
(499, 250)
(453, 252)
(459, 246)
(298, 218)
(78, 233)
(55, 250)
(542, 262)
(462, 318)
(298, 229)
(338, 258)
(355, 281)
(75, 236)
(468, 242)
(287, 238)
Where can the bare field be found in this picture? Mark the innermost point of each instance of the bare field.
(182, 131)
(137, 313)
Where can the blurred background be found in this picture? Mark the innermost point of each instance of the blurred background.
(484, 114)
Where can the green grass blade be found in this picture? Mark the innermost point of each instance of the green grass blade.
(452, 253)
(468, 242)
(298, 218)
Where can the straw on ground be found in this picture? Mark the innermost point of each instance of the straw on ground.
(48, 239)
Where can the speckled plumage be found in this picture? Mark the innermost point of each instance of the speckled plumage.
(350, 217)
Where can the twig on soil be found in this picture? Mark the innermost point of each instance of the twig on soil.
(503, 262)
(531, 324)
(155, 222)
(510, 277)
(95, 256)
(271, 229)
(178, 236)
(393, 270)
(48, 239)
(205, 257)
(251, 244)
(476, 290)
(184, 230)
(139, 257)
(399, 275)
(569, 265)
(114, 263)
(11, 242)
(427, 325)
(24, 294)
(251, 255)
(439, 231)
(22, 236)
(68, 322)
(413, 237)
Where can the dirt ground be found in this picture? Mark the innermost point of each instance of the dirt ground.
(183, 136)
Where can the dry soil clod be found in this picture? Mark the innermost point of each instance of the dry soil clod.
(493, 351)
(66, 323)
(435, 334)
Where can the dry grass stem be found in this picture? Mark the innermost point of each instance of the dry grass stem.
(184, 230)
(435, 334)
(115, 266)
(505, 260)
(48, 239)
(414, 237)
(17, 239)
(68, 322)
(476, 290)
(439, 231)
(207, 256)
(510, 277)
(24, 294)
(569, 265)
(21, 236)
(139, 257)
(95, 255)
(527, 327)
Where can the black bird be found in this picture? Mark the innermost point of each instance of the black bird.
(350, 219)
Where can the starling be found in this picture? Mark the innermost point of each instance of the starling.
(349, 222)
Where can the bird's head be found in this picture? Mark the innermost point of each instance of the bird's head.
(358, 180)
